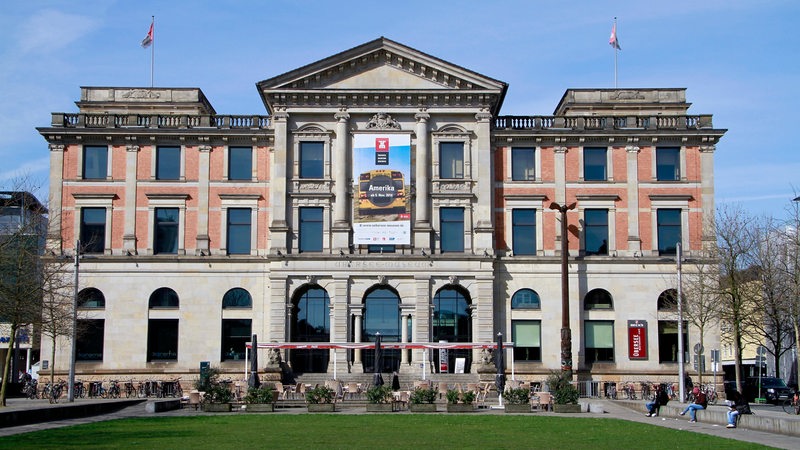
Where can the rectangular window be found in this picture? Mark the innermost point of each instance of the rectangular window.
(239, 231)
(523, 164)
(452, 233)
(166, 231)
(451, 160)
(162, 339)
(89, 343)
(310, 239)
(668, 341)
(599, 340)
(594, 164)
(235, 334)
(595, 230)
(168, 163)
(523, 231)
(668, 164)
(526, 335)
(93, 230)
(669, 230)
(240, 163)
(311, 159)
(95, 162)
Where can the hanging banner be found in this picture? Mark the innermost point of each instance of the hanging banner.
(637, 339)
(382, 172)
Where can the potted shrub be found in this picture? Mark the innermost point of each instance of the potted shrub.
(379, 399)
(517, 400)
(216, 396)
(422, 400)
(565, 396)
(260, 399)
(460, 401)
(320, 399)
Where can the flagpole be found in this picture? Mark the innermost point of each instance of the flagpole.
(153, 52)
(616, 49)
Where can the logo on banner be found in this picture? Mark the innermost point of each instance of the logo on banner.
(382, 151)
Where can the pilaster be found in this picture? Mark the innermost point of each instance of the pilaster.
(131, 184)
(202, 244)
(707, 193)
(634, 240)
(278, 227)
(484, 214)
(54, 203)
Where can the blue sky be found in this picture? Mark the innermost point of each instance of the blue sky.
(738, 60)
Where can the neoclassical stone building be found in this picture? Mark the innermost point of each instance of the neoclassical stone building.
(383, 191)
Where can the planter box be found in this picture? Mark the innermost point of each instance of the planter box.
(523, 408)
(460, 408)
(321, 407)
(260, 407)
(379, 407)
(216, 407)
(567, 408)
(422, 407)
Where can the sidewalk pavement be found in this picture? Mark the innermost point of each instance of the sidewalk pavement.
(612, 410)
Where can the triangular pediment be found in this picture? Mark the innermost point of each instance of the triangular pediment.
(379, 66)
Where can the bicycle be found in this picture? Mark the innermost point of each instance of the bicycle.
(645, 388)
(113, 390)
(792, 404)
(31, 389)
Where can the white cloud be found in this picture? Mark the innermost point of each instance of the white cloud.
(50, 30)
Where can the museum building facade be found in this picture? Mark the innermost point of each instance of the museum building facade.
(383, 192)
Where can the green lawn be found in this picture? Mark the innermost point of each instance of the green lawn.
(372, 431)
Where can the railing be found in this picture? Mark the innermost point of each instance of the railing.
(601, 122)
(81, 120)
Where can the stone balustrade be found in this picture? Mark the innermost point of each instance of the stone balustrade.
(82, 120)
(670, 122)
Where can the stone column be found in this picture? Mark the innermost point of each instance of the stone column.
(277, 314)
(707, 194)
(404, 338)
(422, 215)
(341, 226)
(357, 339)
(278, 226)
(202, 245)
(131, 184)
(482, 161)
(54, 202)
(634, 240)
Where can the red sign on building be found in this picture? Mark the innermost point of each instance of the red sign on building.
(637, 339)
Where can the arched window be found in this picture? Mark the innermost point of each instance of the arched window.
(598, 299)
(310, 323)
(452, 322)
(91, 298)
(237, 298)
(164, 298)
(381, 315)
(668, 300)
(525, 299)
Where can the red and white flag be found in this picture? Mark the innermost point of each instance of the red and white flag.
(612, 41)
(148, 40)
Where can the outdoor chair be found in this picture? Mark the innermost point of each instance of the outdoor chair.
(545, 401)
(194, 399)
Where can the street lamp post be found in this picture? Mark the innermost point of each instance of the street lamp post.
(71, 380)
(566, 332)
(681, 368)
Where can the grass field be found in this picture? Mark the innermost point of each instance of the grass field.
(373, 431)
